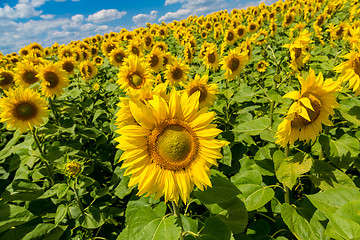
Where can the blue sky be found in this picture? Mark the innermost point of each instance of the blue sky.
(48, 21)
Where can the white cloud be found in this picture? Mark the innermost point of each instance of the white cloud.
(193, 7)
(142, 19)
(60, 0)
(77, 18)
(47, 16)
(168, 2)
(23, 9)
(105, 15)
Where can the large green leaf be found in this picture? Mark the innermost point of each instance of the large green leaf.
(22, 189)
(297, 224)
(288, 169)
(93, 218)
(259, 197)
(253, 127)
(161, 228)
(233, 213)
(222, 190)
(215, 229)
(350, 110)
(12, 215)
(343, 227)
(331, 200)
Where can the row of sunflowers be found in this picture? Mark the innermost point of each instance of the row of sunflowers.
(235, 125)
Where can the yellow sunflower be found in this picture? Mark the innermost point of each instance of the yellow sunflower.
(211, 57)
(88, 70)
(6, 79)
(135, 47)
(350, 71)
(234, 63)
(171, 148)
(134, 73)
(312, 107)
(117, 56)
(22, 109)
(230, 36)
(53, 79)
(68, 64)
(98, 61)
(155, 59)
(261, 66)
(207, 91)
(25, 74)
(176, 72)
(298, 54)
(241, 31)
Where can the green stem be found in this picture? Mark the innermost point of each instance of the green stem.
(177, 214)
(56, 116)
(272, 104)
(42, 156)
(287, 190)
(77, 197)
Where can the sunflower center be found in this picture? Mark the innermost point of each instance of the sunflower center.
(166, 60)
(52, 79)
(110, 47)
(297, 52)
(356, 65)
(173, 145)
(119, 57)
(73, 168)
(289, 19)
(339, 31)
(177, 73)
(299, 121)
(234, 64)
(29, 77)
(252, 27)
(135, 51)
(136, 80)
(154, 60)
(5, 79)
(230, 36)
(147, 41)
(68, 66)
(211, 57)
(240, 32)
(25, 111)
(86, 70)
(203, 92)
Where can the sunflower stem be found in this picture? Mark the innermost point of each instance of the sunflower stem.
(42, 156)
(287, 190)
(56, 116)
(78, 198)
(177, 214)
(272, 104)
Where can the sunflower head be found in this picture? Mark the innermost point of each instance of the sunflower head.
(176, 72)
(117, 56)
(22, 109)
(6, 79)
(73, 168)
(168, 152)
(53, 79)
(312, 107)
(261, 66)
(234, 63)
(87, 69)
(156, 59)
(207, 91)
(25, 74)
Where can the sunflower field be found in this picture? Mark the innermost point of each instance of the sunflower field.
(241, 124)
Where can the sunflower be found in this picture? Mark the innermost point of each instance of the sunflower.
(156, 59)
(22, 108)
(134, 73)
(312, 107)
(350, 71)
(176, 72)
(234, 63)
(135, 48)
(211, 57)
(98, 61)
(109, 45)
(171, 148)
(253, 27)
(188, 53)
(230, 36)
(241, 31)
(53, 79)
(337, 32)
(87, 69)
(261, 66)
(117, 56)
(298, 53)
(207, 91)
(148, 41)
(68, 65)
(6, 79)
(25, 74)
(162, 45)
(288, 19)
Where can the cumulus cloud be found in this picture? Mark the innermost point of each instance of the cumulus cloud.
(193, 7)
(106, 15)
(23, 9)
(47, 16)
(142, 19)
(77, 18)
(168, 2)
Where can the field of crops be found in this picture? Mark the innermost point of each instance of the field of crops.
(242, 124)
